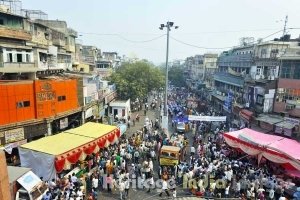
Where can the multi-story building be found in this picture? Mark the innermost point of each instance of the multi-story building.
(108, 62)
(31, 109)
(35, 99)
(210, 67)
(16, 59)
(233, 65)
(199, 70)
(85, 57)
(62, 50)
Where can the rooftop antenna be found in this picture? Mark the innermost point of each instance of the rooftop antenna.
(285, 24)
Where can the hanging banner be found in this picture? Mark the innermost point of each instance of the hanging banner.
(63, 123)
(207, 118)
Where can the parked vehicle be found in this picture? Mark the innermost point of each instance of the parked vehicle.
(25, 185)
(180, 127)
(169, 156)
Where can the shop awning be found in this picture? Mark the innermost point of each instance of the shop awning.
(246, 114)
(50, 155)
(274, 148)
(269, 119)
(285, 124)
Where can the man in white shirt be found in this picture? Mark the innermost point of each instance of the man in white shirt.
(122, 190)
(164, 188)
(192, 150)
(95, 183)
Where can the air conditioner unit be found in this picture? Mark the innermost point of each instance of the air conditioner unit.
(290, 106)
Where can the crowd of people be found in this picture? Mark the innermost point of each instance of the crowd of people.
(208, 167)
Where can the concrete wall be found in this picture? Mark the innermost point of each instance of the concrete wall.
(4, 181)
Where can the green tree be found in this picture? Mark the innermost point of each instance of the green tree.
(176, 76)
(135, 80)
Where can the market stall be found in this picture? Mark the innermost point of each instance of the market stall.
(274, 148)
(51, 155)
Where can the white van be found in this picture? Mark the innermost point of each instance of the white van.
(33, 188)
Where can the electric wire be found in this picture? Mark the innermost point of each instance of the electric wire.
(199, 47)
(124, 38)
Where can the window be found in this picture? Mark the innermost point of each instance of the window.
(260, 99)
(27, 57)
(35, 30)
(286, 70)
(19, 57)
(9, 57)
(61, 98)
(258, 71)
(23, 104)
(263, 53)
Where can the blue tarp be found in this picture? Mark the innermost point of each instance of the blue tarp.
(122, 127)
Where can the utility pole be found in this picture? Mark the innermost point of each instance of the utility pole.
(165, 123)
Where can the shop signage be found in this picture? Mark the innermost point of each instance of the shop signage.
(63, 123)
(45, 96)
(207, 118)
(13, 135)
(46, 86)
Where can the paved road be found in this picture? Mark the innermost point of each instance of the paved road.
(142, 194)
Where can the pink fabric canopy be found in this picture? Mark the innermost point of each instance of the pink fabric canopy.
(274, 148)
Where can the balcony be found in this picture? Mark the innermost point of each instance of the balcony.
(17, 67)
(13, 33)
(58, 42)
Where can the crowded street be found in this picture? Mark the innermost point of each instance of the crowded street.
(207, 167)
(135, 100)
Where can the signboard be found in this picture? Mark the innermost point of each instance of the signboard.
(291, 120)
(63, 123)
(228, 102)
(207, 118)
(13, 135)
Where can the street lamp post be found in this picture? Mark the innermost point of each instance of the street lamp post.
(168, 25)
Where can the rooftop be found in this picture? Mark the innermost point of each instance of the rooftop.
(229, 79)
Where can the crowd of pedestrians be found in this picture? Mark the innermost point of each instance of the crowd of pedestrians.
(208, 168)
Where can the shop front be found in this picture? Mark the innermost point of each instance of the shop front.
(64, 123)
(36, 131)
(267, 122)
(246, 117)
(9, 141)
(288, 127)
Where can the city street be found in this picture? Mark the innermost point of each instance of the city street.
(138, 193)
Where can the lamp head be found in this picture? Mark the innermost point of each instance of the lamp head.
(171, 23)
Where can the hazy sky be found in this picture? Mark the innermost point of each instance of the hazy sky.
(205, 23)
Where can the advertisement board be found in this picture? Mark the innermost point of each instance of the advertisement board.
(13, 135)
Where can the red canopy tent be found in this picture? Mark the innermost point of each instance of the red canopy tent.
(274, 148)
